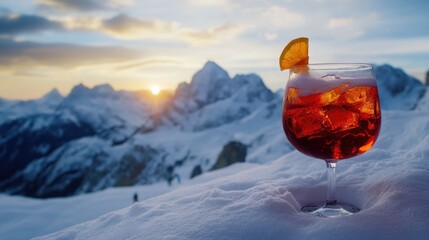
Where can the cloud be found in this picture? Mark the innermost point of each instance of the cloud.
(84, 5)
(368, 24)
(340, 23)
(211, 35)
(210, 3)
(121, 26)
(12, 24)
(279, 17)
(126, 27)
(270, 36)
(26, 54)
(147, 63)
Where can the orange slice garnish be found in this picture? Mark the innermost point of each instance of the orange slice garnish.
(295, 53)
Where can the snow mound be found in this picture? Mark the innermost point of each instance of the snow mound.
(390, 184)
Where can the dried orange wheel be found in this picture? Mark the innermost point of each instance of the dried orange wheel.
(295, 53)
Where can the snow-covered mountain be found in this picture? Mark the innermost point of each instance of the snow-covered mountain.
(397, 90)
(96, 138)
(10, 110)
(213, 98)
(114, 115)
(40, 127)
(124, 140)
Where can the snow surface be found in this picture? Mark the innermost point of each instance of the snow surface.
(24, 218)
(390, 183)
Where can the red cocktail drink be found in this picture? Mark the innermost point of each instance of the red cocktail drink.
(331, 112)
(339, 123)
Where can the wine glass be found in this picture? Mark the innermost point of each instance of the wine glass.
(331, 112)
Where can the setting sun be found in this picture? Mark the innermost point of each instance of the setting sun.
(155, 90)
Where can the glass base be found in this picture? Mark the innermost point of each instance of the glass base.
(330, 210)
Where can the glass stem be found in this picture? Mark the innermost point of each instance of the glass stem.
(331, 198)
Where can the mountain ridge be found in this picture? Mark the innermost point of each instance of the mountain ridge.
(123, 138)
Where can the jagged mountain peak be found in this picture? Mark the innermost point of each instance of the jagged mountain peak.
(103, 88)
(210, 69)
(254, 87)
(78, 90)
(212, 66)
(82, 91)
(211, 100)
(53, 95)
(210, 78)
(207, 86)
(395, 79)
(249, 79)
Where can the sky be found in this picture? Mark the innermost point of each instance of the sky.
(135, 45)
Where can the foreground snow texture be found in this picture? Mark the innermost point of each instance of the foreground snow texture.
(390, 184)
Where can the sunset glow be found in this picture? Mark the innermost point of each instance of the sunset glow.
(47, 44)
(155, 90)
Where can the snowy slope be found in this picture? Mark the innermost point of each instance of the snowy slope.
(24, 218)
(390, 184)
(15, 222)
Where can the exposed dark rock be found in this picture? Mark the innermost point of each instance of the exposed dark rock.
(232, 152)
(196, 171)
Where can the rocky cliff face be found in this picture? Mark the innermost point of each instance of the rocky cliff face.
(232, 152)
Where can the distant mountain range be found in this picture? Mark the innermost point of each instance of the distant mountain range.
(95, 138)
